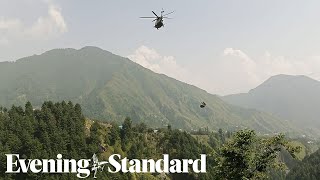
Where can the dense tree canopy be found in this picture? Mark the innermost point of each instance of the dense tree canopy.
(60, 128)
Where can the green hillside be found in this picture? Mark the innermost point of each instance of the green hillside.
(111, 87)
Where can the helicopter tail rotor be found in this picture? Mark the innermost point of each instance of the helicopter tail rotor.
(168, 13)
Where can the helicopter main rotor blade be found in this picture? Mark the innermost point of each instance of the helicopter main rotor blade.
(149, 17)
(169, 13)
(155, 13)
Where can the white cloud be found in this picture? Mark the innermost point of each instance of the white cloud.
(233, 72)
(151, 59)
(242, 72)
(49, 26)
(243, 61)
(45, 27)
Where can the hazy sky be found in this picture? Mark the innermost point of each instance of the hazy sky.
(222, 46)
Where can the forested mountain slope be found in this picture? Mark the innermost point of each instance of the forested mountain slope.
(110, 87)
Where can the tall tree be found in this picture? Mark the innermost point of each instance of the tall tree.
(247, 156)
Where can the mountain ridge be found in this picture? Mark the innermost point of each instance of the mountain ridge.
(111, 87)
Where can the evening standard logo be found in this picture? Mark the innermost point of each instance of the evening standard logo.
(84, 167)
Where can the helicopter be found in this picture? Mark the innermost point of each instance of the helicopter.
(159, 19)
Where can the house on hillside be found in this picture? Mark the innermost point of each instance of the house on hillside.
(155, 130)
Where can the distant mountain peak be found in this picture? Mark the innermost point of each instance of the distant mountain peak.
(58, 50)
(283, 80)
(86, 49)
(288, 77)
(292, 97)
(91, 48)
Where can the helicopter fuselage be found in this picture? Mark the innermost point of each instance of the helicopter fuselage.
(159, 23)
